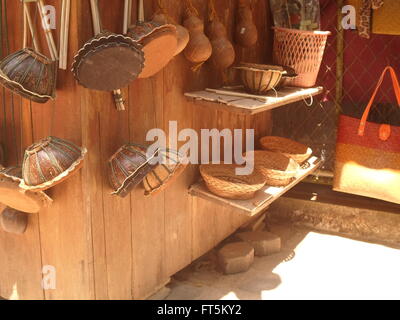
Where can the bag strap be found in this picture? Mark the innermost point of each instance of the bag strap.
(396, 87)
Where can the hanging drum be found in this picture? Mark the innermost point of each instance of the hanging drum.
(49, 162)
(14, 197)
(108, 62)
(127, 168)
(159, 43)
(29, 73)
(171, 165)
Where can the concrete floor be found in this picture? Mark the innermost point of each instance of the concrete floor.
(311, 265)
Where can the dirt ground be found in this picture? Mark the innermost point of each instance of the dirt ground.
(311, 265)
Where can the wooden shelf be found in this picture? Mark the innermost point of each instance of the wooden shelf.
(254, 105)
(263, 198)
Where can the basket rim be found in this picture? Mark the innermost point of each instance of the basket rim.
(255, 173)
(261, 68)
(306, 32)
(277, 171)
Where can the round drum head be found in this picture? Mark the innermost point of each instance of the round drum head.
(110, 67)
(159, 49)
(14, 197)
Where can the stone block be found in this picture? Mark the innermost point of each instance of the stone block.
(236, 257)
(263, 242)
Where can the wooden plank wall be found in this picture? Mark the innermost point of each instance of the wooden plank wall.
(104, 247)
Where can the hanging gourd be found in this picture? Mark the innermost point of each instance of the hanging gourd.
(223, 53)
(246, 30)
(182, 34)
(199, 48)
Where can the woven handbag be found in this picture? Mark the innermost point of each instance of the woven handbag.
(368, 154)
(386, 19)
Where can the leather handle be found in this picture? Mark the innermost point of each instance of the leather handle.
(396, 87)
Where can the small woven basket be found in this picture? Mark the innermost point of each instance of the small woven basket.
(278, 170)
(301, 50)
(260, 78)
(221, 179)
(292, 149)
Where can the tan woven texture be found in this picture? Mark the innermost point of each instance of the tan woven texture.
(367, 172)
(221, 179)
(258, 78)
(301, 50)
(292, 149)
(278, 170)
(165, 173)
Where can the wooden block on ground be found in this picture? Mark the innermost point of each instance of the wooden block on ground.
(263, 242)
(236, 257)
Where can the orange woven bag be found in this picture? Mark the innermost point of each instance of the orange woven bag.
(368, 154)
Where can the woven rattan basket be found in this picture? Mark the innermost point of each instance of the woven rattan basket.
(221, 179)
(278, 170)
(292, 149)
(260, 78)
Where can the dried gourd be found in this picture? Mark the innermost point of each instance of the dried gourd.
(223, 53)
(246, 30)
(199, 47)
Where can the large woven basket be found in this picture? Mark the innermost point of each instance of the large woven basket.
(221, 179)
(301, 50)
(278, 170)
(292, 149)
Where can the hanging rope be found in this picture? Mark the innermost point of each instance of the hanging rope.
(190, 9)
(212, 13)
(163, 10)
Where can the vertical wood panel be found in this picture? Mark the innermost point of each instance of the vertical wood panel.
(102, 246)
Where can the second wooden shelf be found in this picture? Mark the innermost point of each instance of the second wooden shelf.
(229, 101)
(263, 198)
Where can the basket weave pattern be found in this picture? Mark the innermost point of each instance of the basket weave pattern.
(301, 50)
(292, 149)
(278, 170)
(222, 180)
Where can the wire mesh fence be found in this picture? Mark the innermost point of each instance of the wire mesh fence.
(363, 62)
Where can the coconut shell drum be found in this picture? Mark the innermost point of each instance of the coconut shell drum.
(108, 62)
(13, 221)
(30, 75)
(127, 168)
(182, 34)
(159, 43)
(49, 162)
(171, 165)
(14, 197)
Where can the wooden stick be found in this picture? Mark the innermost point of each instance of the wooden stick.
(141, 11)
(127, 15)
(62, 35)
(49, 36)
(66, 39)
(95, 16)
(25, 38)
(31, 27)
